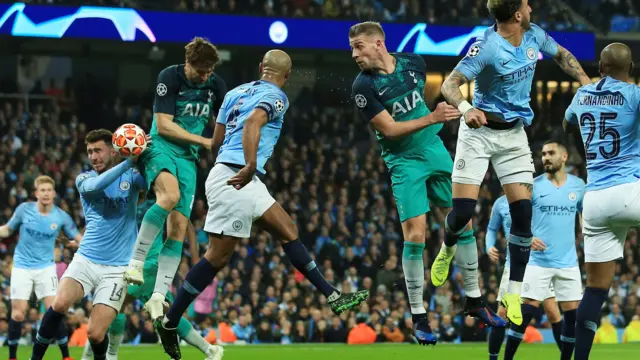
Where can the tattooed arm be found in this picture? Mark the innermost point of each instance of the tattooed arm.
(570, 65)
(451, 88)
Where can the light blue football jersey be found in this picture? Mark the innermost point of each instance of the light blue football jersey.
(109, 202)
(503, 73)
(608, 115)
(38, 234)
(554, 221)
(236, 108)
(500, 218)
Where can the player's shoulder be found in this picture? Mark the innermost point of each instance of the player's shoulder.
(216, 81)
(485, 45)
(363, 80)
(169, 71)
(576, 181)
(410, 57)
(85, 175)
(542, 178)
(27, 205)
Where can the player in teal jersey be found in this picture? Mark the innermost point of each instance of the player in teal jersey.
(185, 100)
(390, 95)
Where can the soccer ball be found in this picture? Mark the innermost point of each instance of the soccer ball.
(129, 140)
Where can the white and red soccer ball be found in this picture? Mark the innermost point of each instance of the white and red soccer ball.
(129, 140)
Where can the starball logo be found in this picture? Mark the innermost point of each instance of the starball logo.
(126, 21)
(426, 46)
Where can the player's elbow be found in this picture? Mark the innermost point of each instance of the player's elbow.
(162, 123)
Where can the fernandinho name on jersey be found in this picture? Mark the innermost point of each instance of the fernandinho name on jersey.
(401, 93)
(192, 106)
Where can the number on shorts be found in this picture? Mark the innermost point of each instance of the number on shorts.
(116, 293)
(587, 119)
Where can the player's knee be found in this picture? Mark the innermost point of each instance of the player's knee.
(17, 315)
(96, 334)
(169, 198)
(219, 256)
(521, 213)
(461, 213)
(60, 305)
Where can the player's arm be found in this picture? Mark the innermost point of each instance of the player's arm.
(495, 221)
(14, 222)
(565, 59)
(251, 136)
(193, 243)
(71, 232)
(164, 107)
(88, 185)
(218, 138)
(478, 57)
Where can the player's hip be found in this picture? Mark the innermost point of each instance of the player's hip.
(619, 204)
(105, 256)
(21, 262)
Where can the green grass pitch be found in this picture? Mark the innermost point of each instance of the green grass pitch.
(344, 352)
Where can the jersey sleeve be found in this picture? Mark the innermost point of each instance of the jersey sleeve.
(478, 57)
(69, 227)
(16, 219)
(546, 43)
(274, 104)
(581, 194)
(89, 184)
(365, 98)
(495, 221)
(570, 114)
(167, 88)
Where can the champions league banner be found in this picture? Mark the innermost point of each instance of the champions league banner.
(124, 24)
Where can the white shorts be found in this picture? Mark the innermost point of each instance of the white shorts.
(106, 282)
(541, 283)
(607, 215)
(507, 150)
(25, 281)
(231, 211)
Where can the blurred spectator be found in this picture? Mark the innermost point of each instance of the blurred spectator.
(632, 331)
(606, 333)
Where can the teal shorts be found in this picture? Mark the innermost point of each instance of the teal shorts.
(422, 178)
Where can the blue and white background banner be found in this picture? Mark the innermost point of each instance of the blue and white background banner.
(123, 24)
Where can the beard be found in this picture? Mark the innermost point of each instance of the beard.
(551, 168)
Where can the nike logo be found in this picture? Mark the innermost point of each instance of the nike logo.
(383, 91)
(506, 62)
(543, 195)
(182, 92)
(473, 263)
(168, 277)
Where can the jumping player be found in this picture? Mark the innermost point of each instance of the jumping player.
(34, 268)
(609, 118)
(109, 195)
(557, 200)
(250, 122)
(185, 99)
(389, 92)
(502, 62)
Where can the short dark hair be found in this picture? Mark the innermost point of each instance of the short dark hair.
(366, 28)
(201, 53)
(558, 142)
(503, 10)
(99, 134)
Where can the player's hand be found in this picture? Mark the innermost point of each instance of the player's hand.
(242, 178)
(72, 244)
(207, 143)
(475, 119)
(445, 112)
(494, 254)
(538, 245)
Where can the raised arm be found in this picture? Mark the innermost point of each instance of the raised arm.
(570, 65)
(88, 185)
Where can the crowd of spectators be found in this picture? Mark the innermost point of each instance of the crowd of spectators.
(547, 13)
(330, 178)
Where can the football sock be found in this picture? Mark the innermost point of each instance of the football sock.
(116, 334)
(457, 219)
(63, 339)
(168, 263)
(198, 278)
(152, 225)
(413, 268)
(588, 320)
(100, 348)
(467, 261)
(516, 332)
(496, 338)
(557, 331)
(87, 353)
(47, 331)
(568, 335)
(301, 260)
(191, 336)
(15, 332)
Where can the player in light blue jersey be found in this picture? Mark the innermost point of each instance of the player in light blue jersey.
(608, 114)
(557, 201)
(109, 195)
(502, 61)
(34, 269)
(248, 127)
(501, 219)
